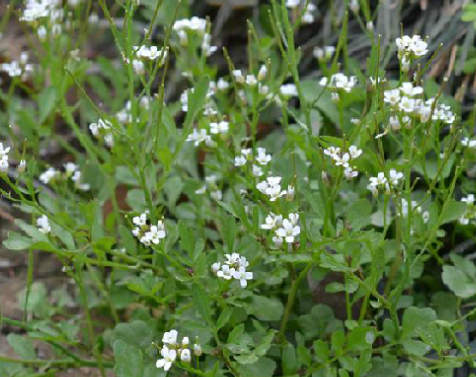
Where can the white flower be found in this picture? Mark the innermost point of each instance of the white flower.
(263, 89)
(216, 195)
(70, 168)
(199, 136)
(324, 53)
(21, 166)
(48, 175)
(332, 151)
(354, 6)
(342, 160)
(349, 173)
(288, 90)
(288, 231)
(222, 84)
(263, 71)
(138, 67)
(354, 152)
(395, 177)
(263, 158)
(466, 142)
(409, 90)
(226, 272)
(4, 158)
(294, 218)
(216, 267)
(257, 171)
(407, 104)
(140, 220)
(271, 187)
(339, 81)
(219, 128)
(391, 96)
(290, 193)
(169, 356)
(43, 224)
(251, 80)
(272, 221)
(240, 160)
(411, 47)
(278, 241)
(242, 275)
(76, 178)
(292, 3)
(170, 337)
(206, 46)
(186, 355)
(197, 350)
(239, 78)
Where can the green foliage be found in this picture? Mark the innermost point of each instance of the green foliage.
(297, 217)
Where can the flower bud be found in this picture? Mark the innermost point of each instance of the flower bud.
(197, 350)
(263, 71)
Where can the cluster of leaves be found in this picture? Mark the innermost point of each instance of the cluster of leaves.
(368, 285)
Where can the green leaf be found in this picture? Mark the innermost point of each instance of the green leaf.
(459, 282)
(416, 318)
(264, 367)
(224, 317)
(63, 235)
(16, 241)
(361, 338)
(202, 303)
(46, 101)
(359, 214)
(129, 360)
(266, 309)
(452, 211)
(265, 343)
(136, 333)
(32, 231)
(22, 346)
(289, 362)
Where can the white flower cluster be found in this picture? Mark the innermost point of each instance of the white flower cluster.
(71, 171)
(410, 48)
(261, 159)
(147, 53)
(215, 192)
(194, 26)
(403, 102)
(148, 234)
(272, 187)
(324, 53)
(469, 217)
(286, 229)
(252, 81)
(307, 17)
(36, 10)
(4, 158)
(201, 136)
(43, 224)
(343, 159)
(19, 68)
(381, 182)
(233, 268)
(288, 90)
(173, 349)
(339, 82)
(102, 131)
